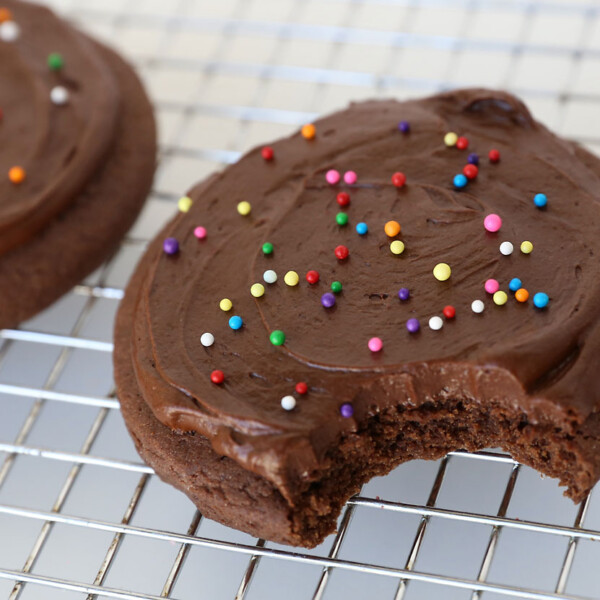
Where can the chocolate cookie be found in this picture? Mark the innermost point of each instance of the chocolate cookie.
(77, 158)
(396, 281)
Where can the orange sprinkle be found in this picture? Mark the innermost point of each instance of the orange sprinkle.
(16, 174)
(308, 131)
(5, 15)
(392, 228)
(522, 295)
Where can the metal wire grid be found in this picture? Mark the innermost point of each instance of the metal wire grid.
(81, 323)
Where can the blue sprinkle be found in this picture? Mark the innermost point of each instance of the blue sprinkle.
(473, 158)
(235, 322)
(362, 228)
(460, 181)
(540, 200)
(404, 126)
(515, 284)
(541, 300)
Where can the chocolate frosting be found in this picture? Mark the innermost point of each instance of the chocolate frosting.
(540, 361)
(59, 146)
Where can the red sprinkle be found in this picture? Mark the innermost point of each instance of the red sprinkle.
(449, 312)
(301, 388)
(267, 153)
(494, 156)
(341, 252)
(470, 171)
(217, 377)
(399, 179)
(462, 143)
(343, 199)
(312, 277)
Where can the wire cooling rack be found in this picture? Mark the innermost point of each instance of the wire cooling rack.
(82, 517)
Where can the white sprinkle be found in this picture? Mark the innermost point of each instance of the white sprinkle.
(59, 95)
(435, 323)
(288, 402)
(207, 339)
(506, 248)
(270, 276)
(9, 31)
(477, 306)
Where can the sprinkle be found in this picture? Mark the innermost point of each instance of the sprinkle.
(449, 312)
(375, 344)
(217, 377)
(540, 200)
(244, 208)
(328, 300)
(460, 181)
(404, 294)
(473, 158)
(171, 246)
(494, 156)
(257, 290)
(332, 176)
(207, 339)
(312, 277)
(436, 323)
(392, 228)
(491, 286)
(55, 61)
(362, 228)
(346, 410)
(515, 284)
(277, 337)
(470, 171)
(288, 403)
(341, 252)
(270, 276)
(200, 232)
(343, 198)
(450, 139)
(442, 272)
(492, 223)
(235, 322)
(350, 177)
(526, 247)
(59, 95)
(462, 143)
(341, 219)
(397, 247)
(398, 179)
(522, 295)
(308, 131)
(226, 305)
(267, 153)
(404, 126)
(5, 15)
(267, 248)
(291, 278)
(477, 306)
(184, 204)
(413, 325)
(500, 298)
(301, 388)
(9, 31)
(336, 287)
(506, 248)
(16, 174)
(540, 300)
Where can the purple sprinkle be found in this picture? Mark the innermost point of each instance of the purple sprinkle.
(171, 246)
(404, 294)
(413, 325)
(473, 158)
(346, 410)
(404, 126)
(328, 300)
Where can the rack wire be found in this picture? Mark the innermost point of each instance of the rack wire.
(82, 517)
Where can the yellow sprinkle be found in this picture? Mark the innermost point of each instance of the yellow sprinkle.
(308, 131)
(257, 290)
(291, 278)
(450, 139)
(226, 304)
(500, 298)
(244, 208)
(442, 272)
(184, 204)
(526, 247)
(397, 247)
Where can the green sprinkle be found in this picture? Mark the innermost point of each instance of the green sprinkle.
(336, 287)
(277, 337)
(342, 219)
(55, 61)
(267, 248)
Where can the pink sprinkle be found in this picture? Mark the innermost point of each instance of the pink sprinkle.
(375, 344)
(491, 286)
(200, 233)
(332, 176)
(350, 177)
(492, 223)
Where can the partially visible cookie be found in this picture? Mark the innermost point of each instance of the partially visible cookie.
(77, 157)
